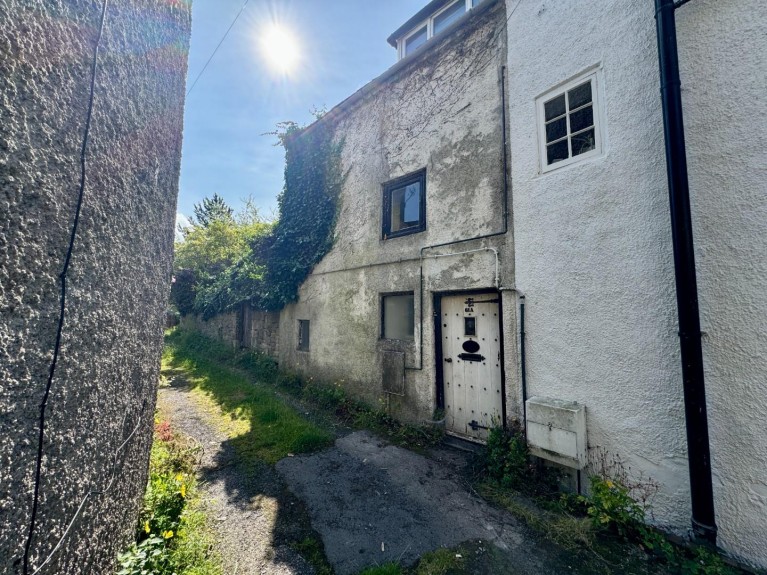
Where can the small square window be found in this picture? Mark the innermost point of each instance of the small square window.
(398, 316)
(303, 335)
(568, 119)
(404, 205)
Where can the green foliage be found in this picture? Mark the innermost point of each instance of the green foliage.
(611, 505)
(307, 211)
(507, 461)
(215, 269)
(311, 549)
(212, 210)
(227, 259)
(171, 537)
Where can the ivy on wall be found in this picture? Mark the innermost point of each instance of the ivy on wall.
(307, 207)
(228, 260)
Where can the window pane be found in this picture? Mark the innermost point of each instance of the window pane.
(406, 207)
(582, 119)
(583, 142)
(555, 107)
(444, 19)
(580, 96)
(303, 334)
(399, 316)
(556, 130)
(475, 3)
(557, 152)
(415, 41)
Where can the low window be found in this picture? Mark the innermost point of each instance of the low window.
(404, 205)
(398, 321)
(303, 335)
(569, 123)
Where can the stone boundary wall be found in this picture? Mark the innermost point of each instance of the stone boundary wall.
(245, 328)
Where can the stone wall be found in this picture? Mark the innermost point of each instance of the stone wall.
(99, 412)
(246, 327)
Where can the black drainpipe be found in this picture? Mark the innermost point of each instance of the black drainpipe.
(701, 491)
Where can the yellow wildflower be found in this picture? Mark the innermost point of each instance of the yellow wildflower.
(146, 526)
(168, 534)
(180, 477)
(183, 491)
(609, 484)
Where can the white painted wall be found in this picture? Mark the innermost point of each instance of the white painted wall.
(593, 243)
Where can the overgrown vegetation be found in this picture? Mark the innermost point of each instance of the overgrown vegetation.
(209, 356)
(227, 258)
(607, 525)
(262, 427)
(171, 535)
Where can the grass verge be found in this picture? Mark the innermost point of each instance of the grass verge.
(209, 357)
(263, 429)
(172, 536)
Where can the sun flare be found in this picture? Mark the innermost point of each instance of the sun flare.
(280, 49)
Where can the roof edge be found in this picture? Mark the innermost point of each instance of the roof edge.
(377, 82)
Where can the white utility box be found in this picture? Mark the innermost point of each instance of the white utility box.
(556, 430)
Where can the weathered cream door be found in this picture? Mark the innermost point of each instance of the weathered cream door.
(471, 357)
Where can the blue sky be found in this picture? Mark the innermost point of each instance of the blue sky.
(239, 98)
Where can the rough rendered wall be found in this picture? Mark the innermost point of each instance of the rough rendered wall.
(594, 252)
(442, 113)
(722, 48)
(104, 384)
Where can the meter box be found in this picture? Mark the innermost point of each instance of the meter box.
(556, 430)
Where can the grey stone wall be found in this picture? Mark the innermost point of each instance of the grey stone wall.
(103, 389)
(260, 332)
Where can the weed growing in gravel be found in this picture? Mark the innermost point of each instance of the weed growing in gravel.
(171, 534)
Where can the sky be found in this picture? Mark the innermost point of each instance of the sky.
(341, 47)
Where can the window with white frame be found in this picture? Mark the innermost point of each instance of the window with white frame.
(437, 22)
(568, 121)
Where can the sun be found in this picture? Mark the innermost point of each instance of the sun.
(280, 49)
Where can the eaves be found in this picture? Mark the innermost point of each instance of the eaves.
(380, 83)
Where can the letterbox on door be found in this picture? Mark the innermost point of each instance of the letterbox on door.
(556, 430)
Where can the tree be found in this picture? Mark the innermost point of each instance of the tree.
(211, 210)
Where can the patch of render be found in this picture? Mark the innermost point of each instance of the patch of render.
(442, 112)
(105, 380)
(594, 251)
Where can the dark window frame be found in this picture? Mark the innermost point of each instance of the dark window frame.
(388, 188)
(301, 344)
(382, 330)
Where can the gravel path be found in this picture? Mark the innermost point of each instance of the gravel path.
(250, 509)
